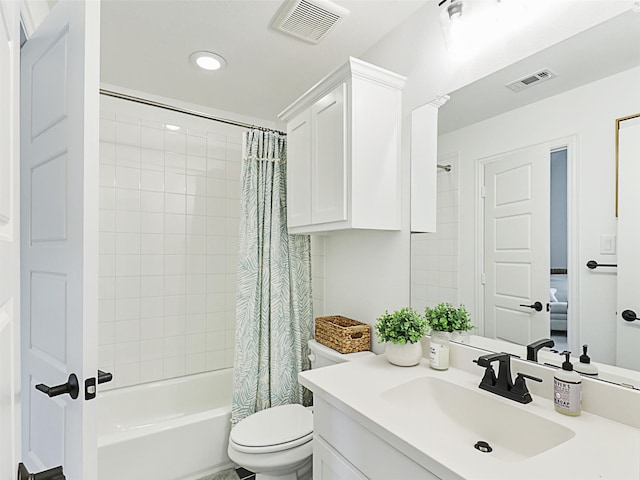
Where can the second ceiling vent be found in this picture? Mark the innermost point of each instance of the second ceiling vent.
(531, 80)
(309, 20)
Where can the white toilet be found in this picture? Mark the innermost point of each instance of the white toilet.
(276, 443)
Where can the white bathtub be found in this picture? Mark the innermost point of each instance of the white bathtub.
(175, 429)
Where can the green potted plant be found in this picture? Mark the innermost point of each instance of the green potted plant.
(446, 322)
(402, 331)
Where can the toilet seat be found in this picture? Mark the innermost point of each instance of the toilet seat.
(274, 429)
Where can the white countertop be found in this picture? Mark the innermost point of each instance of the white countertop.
(601, 448)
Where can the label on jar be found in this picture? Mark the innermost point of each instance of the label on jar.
(438, 355)
(567, 395)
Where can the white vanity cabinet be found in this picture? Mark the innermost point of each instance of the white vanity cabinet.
(343, 152)
(343, 449)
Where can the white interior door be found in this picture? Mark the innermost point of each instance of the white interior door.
(59, 236)
(9, 239)
(628, 332)
(516, 245)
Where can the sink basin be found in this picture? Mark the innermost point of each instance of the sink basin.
(461, 416)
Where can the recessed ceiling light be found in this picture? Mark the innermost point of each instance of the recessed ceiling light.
(208, 60)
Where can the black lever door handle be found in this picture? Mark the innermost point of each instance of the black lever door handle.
(629, 315)
(537, 306)
(104, 377)
(71, 387)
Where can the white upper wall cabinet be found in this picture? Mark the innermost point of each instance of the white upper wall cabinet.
(343, 152)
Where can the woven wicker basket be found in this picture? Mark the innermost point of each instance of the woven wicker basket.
(343, 334)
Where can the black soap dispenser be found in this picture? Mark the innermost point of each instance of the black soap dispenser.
(585, 367)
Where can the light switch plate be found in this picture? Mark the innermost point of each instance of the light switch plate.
(607, 244)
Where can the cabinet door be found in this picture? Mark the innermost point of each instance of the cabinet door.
(330, 465)
(299, 170)
(329, 168)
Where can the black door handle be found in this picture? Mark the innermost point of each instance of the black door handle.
(104, 377)
(629, 315)
(537, 306)
(71, 387)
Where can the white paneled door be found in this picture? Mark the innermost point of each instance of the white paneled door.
(59, 239)
(628, 331)
(516, 218)
(9, 239)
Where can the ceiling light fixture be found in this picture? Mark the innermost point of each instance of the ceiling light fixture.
(208, 60)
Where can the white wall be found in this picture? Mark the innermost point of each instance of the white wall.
(587, 115)
(169, 210)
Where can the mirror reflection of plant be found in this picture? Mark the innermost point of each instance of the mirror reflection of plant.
(400, 327)
(444, 317)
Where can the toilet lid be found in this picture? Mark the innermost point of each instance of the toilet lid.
(275, 428)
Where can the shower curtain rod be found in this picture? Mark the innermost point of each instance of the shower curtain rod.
(151, 103)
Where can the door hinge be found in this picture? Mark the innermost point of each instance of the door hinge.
(483, 278)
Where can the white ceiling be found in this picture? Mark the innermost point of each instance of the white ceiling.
(145, 46)
(608, 48)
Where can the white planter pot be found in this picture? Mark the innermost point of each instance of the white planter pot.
(403, 355)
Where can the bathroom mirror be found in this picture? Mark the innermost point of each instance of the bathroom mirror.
(582, 86)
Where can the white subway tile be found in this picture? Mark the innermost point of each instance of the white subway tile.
(107, 153)
(127, 352)
(127, 243)
(107, 220)
(152, 202)
(216, 226)
(174, 305)
(128, 266)
(152, 180)
(151, 328)
(151, 222)
(196, 145)
(174, 223)
(216, 245)
(107, 198)
(233, 170)
(128, 222)
(216, 168)
(127, 287)
(175, 142)
(175, 183)
(106, 243)
(152, 138)
(127, 199)
(215, 341)
(233, 190)
(217, 303)
(106, 265)
(127, 331)
(196, 225)
(195, 344)
(175, 203)
(152, 243)
(174, 284)
(216, 360)
(151, 285)
(174, 367)
(174, 325)
(196, 284)
(234, 150)
(107, 130)
(127, 156)
(197, 165)
(196, 323)
(152, 265)
(151, 349)
(151, 307)
(196, 244)
(174, 346)
(195, 363)
(175, 244)
(127, 308)
(152, 159)
(106, 288)
(196, 264)
(216, 322)
(175, 162)
(197, 185)
(125, 374)
(106, 310)
(150, 371)
(216, 145)
(106, 355)
(232, 208)
(216, 207)
(196, 304)
(216, 187)
(107, 175)
(196, 205)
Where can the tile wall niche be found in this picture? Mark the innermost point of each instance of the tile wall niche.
(434, 256)
(169, 213)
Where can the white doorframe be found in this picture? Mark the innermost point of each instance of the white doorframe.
(573, 215)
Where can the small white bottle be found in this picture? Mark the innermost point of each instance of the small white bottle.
(439, 350)
(585, 367)
(567, 389)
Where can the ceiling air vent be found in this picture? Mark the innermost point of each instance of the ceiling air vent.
(531, 80)
(309, 20)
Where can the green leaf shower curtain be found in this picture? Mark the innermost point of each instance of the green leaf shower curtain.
(274, 317)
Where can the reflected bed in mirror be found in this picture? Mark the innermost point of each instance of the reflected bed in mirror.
(597, 76)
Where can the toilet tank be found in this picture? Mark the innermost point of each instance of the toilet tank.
(322, 356)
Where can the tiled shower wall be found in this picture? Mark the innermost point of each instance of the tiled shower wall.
(434, 256)
(169, 213)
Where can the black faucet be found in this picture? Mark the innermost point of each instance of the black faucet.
(503, 384)
(532, 348)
